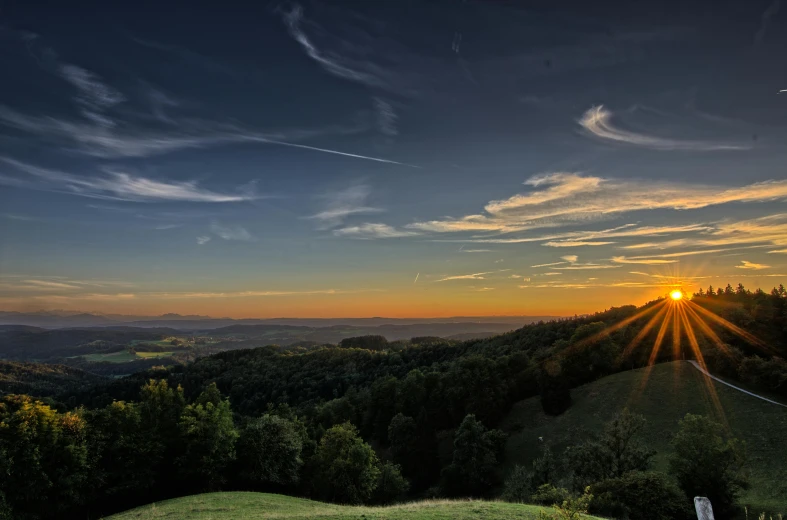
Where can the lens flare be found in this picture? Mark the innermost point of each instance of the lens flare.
(691, 326)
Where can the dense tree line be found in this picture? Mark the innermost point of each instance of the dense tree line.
(428, 407)
(43, 380)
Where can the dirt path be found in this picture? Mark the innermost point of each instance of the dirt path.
(698, 367)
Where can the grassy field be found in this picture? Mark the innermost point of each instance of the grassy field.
(166, 342)
(146, 355)
(247, 506)
(672, 390)
(124, 356)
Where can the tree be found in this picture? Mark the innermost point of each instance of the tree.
(208, 435)
(120, 455)
(554, 388)
(518, 486)
(475, 458)
(44, 462)
(544, 469)
(613, 454)
(413, 446)
(707, 463)
(370, 342)
(346, 468)
(160, 408)
(269, 452)
(391, 486)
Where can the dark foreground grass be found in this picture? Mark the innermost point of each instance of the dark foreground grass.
(247, 506)
(672, 391)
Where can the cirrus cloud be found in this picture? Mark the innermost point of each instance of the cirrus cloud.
(598, 122)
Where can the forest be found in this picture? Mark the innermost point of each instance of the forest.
(372, 422)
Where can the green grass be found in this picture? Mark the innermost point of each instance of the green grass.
(123, 356)
(146, 355)
(672, 391)
(247, 506)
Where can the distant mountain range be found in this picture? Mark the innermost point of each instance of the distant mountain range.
(58, 319)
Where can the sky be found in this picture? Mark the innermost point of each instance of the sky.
(400, 159)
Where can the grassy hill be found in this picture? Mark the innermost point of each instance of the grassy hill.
(672, 390)
(243, 505)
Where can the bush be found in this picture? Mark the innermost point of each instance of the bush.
(569, 509)
(547, 495)
(638, 494)
(517, 486)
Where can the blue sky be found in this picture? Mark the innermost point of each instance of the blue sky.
(388, 158)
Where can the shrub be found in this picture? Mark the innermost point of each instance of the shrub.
(547, 494)
(570, 509)
(638, 494)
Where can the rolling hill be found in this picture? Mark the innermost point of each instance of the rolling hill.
(248, 506)
(672, 390)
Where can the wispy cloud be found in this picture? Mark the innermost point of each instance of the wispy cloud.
(386, 117)
(570, 258)
(765, 20)
(51, 285)
(117, 185)
(163, 227)
(559, 199)
(93, 95)
(547, 265)
(371, 230)
(575, 243)
(745, 264)
(342, 204)
(668, 258)
(201, 240)
(36, 284)
(586, 267)
(102, 139)
(766, 230)
(475, 276)
(98, 297)
(231, 232)
(251, 294)
(598, 122)
(331, 62)
(105, 132)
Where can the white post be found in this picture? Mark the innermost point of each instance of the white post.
(703, 508)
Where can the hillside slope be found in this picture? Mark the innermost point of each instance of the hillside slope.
(672, 390)
(247, 506)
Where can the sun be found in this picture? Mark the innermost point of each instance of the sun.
(676, 295)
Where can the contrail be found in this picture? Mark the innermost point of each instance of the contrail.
(416, 278)
(294, 145)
